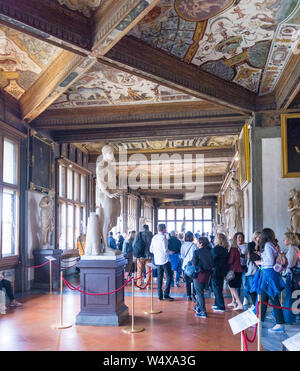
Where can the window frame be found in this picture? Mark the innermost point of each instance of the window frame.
(81, 171)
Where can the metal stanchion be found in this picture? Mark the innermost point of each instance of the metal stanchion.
(242, 342)
(259, 325)
(61, 325)
(132, 329)
(152, 311)
(50, 258)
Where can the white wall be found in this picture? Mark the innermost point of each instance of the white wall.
(275, 189)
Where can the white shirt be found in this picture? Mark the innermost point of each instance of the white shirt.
(159, 248)
(186, 252)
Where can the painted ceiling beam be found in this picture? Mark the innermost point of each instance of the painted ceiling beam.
(140, 59)
(114, 19)
(48, 21)
(56, 79)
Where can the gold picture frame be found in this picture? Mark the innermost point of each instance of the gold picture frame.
(244, 156)
(290, 145)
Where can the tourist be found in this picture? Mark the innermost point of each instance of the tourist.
(159, 248)
(6, 284)
(181, 237)
(253, 256)
(120, 241)
(203, 260)
(291, 242)
(242, 246)
(270, 283)
(145, 256)
(186, 253)
(174, 245)
(127, 251)
(111, 241)
(220, 257)
(234, 264)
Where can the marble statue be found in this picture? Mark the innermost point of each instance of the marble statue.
(294, 210)
(234, 209)
(46, 219)
(219, 228)
(93, 236)
(108, 205)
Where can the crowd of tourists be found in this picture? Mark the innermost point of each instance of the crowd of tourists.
(214, 264)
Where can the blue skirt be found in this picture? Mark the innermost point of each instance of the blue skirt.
(175, 262)
(269, 281)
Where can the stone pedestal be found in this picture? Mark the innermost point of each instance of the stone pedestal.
(42, 274)
(101, 274)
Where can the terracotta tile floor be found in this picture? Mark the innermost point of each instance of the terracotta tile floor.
(176, 328)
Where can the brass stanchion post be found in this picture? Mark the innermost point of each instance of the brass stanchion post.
(61, 325)
(132, 329)
(242, 342)
(259, 325)
(152, 311)
(50, 275)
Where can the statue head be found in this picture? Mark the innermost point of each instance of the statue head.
(108, 153)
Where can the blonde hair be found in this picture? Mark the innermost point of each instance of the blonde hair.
(129, 236)
(222, 240)
(255, 235)
(291, 238)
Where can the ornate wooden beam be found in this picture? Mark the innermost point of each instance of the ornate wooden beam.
(48, 21)
(114, 19)
(289, 84)
(143, 60)
(58, 77)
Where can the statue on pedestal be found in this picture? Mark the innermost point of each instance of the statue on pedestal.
(294, 209)
(108, 205)
(46, 219)
(235, 209)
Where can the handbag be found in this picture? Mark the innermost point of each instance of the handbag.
(229, 276)
(191, 270)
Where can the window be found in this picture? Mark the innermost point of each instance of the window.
(197, 219)
(9, 197)
(72, 184)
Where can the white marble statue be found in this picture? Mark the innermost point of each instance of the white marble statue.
(294, 210)
(93, 236)
(46, 219)
(235, 209)
(108, 205)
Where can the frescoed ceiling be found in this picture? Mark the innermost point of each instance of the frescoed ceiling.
(87, 7)
(248, 42)
(104, 86)
(22, 60)
(208, 142)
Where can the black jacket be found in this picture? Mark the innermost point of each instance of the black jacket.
(220, 256)
(203, 259)
(174, 244)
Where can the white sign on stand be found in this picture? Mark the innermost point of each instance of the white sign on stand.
(293, 343)
(152, 266)
(243, 321)
(50, 258)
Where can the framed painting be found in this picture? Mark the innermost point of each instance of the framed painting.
(290, 143)
(40, 169)
(244, 155)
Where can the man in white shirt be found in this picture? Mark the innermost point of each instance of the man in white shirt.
(159, 248)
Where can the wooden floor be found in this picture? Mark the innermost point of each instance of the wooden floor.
(175, 329)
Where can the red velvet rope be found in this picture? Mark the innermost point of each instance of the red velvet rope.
(35, 266)
(274, 306)
(255, 330)
(245, 341)
(147, 283)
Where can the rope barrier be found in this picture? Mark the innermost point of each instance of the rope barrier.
(35, 266)
(276, 307)
(146, 285)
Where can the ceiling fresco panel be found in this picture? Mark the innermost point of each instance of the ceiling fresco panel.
(248, 42)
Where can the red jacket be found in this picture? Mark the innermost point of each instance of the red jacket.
(234, 261)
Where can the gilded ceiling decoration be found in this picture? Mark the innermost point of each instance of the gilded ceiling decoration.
(22, 60)
(105, 86)
(84, 6)
(248, 42)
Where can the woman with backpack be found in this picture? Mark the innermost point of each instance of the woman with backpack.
(186, 254)
(203, 260)
(270, 283)
(290, 240)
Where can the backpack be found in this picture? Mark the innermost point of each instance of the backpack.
(139, 247)
(281, 262)
(296, 274)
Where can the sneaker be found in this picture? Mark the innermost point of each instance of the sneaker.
(219, 310)
(214, 306)
(232, 304)
(169, 298)
(279, 329)
(201, 315)
(15, 303)
(196, 309)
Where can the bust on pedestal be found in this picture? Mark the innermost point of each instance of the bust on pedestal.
(102, 268)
